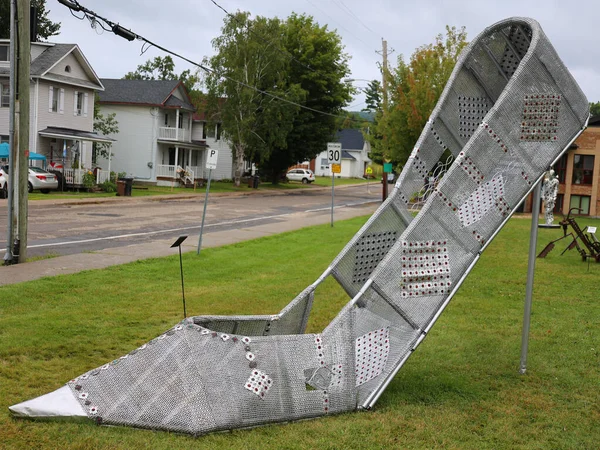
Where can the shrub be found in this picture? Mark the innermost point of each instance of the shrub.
(89, 180)
(108, 186)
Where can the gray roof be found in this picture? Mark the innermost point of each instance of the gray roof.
(346, 155)
(49, 57)
(142, 92)
(350, 139)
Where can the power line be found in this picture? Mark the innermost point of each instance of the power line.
(117, 29)
(341, 26)
(347, 10)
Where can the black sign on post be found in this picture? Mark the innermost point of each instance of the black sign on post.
(178, 243)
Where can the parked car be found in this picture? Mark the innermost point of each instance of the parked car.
(304, 175)
(37, 179)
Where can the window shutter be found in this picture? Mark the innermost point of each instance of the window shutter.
(50, 98)
(85, 104)
(62, 101)
(75, 103)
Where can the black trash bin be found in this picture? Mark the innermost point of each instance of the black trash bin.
(128, 185)
(255, 180)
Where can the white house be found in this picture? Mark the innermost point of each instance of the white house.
(160, 140)
(62, 89)
(355, 155)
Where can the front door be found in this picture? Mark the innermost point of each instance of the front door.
(172, 156)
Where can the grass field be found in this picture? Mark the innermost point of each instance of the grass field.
(215, 186)
(461, 388)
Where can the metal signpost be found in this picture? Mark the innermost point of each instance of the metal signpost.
(211, 163)
(178, 243)
(369, 172)
(334, 158)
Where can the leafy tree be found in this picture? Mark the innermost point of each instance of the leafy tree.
(103, 125)
(46, 27)
(373, 96)
(248, 64)
(414, 89)
(595, 108)
(318, 65)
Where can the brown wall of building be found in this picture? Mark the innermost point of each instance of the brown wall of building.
(587, 144)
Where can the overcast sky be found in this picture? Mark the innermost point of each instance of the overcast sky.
(188, 26)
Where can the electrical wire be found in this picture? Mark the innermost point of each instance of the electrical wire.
(130, 35)
(341, 26)
(347, 10)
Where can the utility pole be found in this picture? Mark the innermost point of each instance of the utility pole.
(11, 219)
(23, 76)
(384, 72)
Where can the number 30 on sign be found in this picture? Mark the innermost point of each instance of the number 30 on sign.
(334, 152)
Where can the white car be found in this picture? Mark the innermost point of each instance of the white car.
(38, 179)
(304, 175)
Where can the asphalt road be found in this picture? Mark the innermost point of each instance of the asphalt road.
(61, 228)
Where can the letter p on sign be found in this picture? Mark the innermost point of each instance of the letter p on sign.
(211, 159)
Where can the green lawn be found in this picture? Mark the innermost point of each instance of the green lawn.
(215, 186)
(461, 388)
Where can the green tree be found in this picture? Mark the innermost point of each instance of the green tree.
(414, 89)
(249, 64)
(105, 126)
(595, 108)
(318, 65)
(46, 27)
(373, 96)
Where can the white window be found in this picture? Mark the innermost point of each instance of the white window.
(4, 95)
(56, 100)
(80, 104)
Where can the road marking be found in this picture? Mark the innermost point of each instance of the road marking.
(171, 230)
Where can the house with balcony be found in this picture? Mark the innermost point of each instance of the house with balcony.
(160, 140)
(62, 90)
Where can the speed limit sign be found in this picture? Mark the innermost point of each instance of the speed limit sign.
(334, 152)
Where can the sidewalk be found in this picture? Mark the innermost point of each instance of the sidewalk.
(69, 264)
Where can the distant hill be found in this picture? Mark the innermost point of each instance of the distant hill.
(365, 115)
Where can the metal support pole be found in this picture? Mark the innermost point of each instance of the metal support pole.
(204, 212)
(535, 212)
(332, 196)
(8, 256)
(182, 289)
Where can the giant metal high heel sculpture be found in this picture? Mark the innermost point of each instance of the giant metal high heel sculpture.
(508, 112)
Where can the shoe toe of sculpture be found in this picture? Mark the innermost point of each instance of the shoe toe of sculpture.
(56, 404)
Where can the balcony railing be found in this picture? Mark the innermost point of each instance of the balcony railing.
(174, 134)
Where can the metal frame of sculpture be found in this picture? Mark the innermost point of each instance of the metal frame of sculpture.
(508, 112)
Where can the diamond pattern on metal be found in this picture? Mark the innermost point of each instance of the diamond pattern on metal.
(371, 354)
(540, 117)
(483, 199)
(258, 383)
(425, 268)
(370, 250)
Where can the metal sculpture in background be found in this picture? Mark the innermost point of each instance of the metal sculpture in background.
(587, 236)
(508, 112)
(549, 192)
